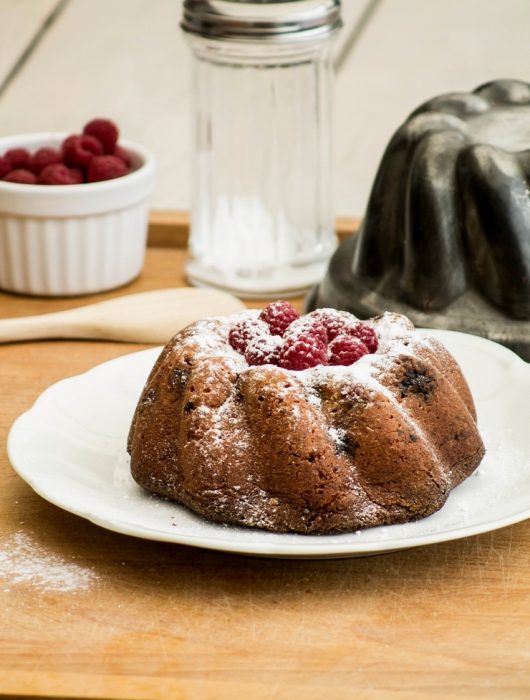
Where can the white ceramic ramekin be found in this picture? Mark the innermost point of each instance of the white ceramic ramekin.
(64, 240)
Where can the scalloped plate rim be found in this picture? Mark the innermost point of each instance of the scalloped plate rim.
(250, 541)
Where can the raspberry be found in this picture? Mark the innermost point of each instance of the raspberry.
(264, 350)
(244, 331)
(120, 152)
(302, 352)
(307, 325)
(364, 333)
(77, 176)
(22, 176)
(278, 316)
(43, 157)
(5, 167)
(19, 158)
(334, 321)
(59, 174)
(346, 349)
(105, 131)
(78, 151)
(106, 168)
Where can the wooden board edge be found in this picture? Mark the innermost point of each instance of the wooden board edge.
(170, 228)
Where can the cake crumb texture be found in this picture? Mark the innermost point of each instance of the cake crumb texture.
(325, 449)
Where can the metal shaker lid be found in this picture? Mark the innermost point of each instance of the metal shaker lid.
(271, 20)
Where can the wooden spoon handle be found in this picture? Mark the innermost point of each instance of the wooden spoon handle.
(52, 325)
(146, 317)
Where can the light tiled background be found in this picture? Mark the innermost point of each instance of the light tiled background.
(65, 61)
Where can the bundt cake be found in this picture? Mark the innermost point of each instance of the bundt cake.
(446, 234)
(315, 424)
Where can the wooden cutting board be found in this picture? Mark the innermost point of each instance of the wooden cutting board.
(85, 612)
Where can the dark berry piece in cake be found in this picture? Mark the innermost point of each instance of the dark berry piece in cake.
(416, 382)
(346, 349)
(246, 330)
(303, 351)
(278, 316)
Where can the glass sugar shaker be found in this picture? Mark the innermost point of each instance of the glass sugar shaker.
(262, 219)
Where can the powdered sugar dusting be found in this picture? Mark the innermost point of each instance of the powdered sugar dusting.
(223, 441)
(24, 561)
(396, 337)
(337, 435)
(209, 336)
(216, 435)
(263, 349)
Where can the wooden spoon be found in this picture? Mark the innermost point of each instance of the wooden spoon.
(148, 317)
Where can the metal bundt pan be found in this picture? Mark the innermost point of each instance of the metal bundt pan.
(446, 235)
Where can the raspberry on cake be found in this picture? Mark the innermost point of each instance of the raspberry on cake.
(307, 325)
(278, 316)
(242, 332)
(302, 433)
(346, 349)
(302, 351)
(365, 334)
(263, 350)
(332, 320)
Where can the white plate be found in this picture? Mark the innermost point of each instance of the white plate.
(70, 448)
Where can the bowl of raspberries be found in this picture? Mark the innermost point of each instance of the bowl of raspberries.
(73, 210)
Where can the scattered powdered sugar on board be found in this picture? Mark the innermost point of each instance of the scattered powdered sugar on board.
(24, 561)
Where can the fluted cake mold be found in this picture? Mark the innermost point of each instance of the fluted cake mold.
(446, 234)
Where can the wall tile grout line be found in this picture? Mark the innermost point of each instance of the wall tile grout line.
(32, 45)
(356, 32)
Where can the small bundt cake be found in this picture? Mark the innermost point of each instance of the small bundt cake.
(315, 424)
(446, 234)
